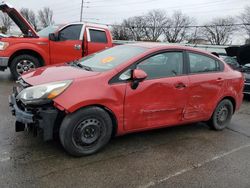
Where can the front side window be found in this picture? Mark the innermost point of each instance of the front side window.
(98, 36)
(166, 64)
(202, 64)
(70, 33)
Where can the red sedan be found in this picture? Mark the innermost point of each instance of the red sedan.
(126, 89)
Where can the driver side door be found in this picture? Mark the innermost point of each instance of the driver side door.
(161, 98)
(68, 47)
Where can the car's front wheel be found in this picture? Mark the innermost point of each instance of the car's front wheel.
(222, 115)
(86, 131)
(22, 64)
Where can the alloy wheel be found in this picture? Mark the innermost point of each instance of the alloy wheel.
(25, 66)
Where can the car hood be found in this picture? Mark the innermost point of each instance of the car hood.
(56, 73)
(241, 52)
(19, 20)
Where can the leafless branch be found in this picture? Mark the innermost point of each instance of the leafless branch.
(45, 17)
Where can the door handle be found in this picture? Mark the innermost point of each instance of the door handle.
(219, 79)
(77, 47)
(180, 85)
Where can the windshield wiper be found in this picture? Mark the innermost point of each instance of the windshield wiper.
(76, 63)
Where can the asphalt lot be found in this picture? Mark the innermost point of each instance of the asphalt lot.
(184, 156)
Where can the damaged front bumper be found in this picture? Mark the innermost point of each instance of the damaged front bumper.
(38, 119)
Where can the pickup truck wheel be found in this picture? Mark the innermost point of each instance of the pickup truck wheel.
(222, 115)
(22, 64)
(86, 131)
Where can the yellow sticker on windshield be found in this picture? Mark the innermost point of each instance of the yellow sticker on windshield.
(108, 59)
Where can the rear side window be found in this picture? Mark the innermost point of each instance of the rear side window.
(98, 36)
(202, 64)
(70, 33)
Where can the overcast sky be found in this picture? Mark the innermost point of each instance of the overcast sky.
(114, 11)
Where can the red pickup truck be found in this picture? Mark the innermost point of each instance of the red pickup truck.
(52, 45)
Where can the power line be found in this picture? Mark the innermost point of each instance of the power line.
(107, 14)
(150, 1)
(186, 6)
(139, 2)
(122, 4)
(181, 26)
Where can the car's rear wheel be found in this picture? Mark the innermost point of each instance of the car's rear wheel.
(86, 131)
(22, 64)
(222, 115)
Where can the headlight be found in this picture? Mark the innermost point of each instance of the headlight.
(3, 45)
(43, 94)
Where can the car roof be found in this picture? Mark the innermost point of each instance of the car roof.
(166, 46)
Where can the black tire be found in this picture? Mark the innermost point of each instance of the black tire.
(222, 115)
(31, 61)
(86, 131)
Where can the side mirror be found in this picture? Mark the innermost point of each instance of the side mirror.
(53, 37)
(138, 76)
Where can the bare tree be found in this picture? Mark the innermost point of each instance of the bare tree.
(176, 30)
(219, 30)
(45, 17)
(30, 16)
(155, 20)
(121, 33)
(6, 22)
(245, 18)
(136, 27)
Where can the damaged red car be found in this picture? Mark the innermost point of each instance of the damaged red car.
(124, 89)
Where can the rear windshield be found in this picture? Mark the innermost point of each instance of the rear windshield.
(111, 58)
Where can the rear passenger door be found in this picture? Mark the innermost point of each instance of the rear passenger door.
(97, 40)
(206, 82)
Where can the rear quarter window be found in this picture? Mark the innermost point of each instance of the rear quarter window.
(98, 36)
(199, 63)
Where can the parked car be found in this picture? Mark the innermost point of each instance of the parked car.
(55, 44)
(231, 61)
(124, 89)
(246, 70)
(242, 53)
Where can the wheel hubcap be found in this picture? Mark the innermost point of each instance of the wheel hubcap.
(24, 66)
(222, 115)
(87, 132)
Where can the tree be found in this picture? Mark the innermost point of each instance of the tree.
(136, 27)
(176, 29)
(219, 30)
(30, 16)
(155, 20)
(45, 17)
(245, 18)
(147, 27)
(121, 33)
(6, 22)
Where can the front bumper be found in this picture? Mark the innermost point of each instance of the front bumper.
(4, 63)
(39, 119)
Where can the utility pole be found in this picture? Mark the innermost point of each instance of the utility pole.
(81, 11)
